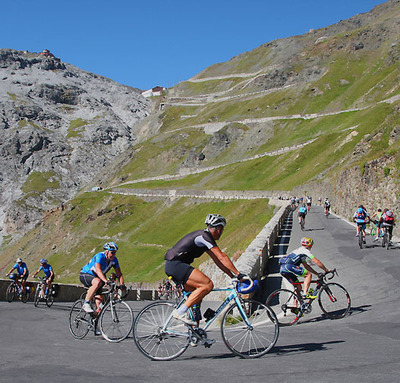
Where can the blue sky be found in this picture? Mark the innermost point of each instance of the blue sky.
(148, 43)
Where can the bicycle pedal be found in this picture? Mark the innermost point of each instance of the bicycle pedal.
(208, 342)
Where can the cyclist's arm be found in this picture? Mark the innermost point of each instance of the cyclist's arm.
(11, 270)
(309, 268)
(320, 264)
(223, 261)
(119, 275)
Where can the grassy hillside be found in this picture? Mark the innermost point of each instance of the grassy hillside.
(144, 231)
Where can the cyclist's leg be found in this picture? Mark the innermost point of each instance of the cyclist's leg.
(94, 285)
(200, 285)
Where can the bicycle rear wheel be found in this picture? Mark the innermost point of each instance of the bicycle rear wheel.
(250, 341)
(11, 292)
(79, 320)
(25, 296)
(360, 239)
(334, 300)
(385, 239)
(159, 336)
(116, 321)
(286, 306)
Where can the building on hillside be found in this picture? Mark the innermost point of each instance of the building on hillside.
(46, 53)
(156, 91)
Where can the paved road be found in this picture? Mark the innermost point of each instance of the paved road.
(364, 347)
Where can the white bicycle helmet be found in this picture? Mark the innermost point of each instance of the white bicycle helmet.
(214, 220)
(19, 260)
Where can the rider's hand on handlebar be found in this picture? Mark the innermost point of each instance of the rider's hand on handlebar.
(240, 276)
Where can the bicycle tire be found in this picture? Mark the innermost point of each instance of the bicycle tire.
(36, 299)
(302, 225)
(10, 293)
(384, 239)
(79, 320)
(286, 306)
(25, 296)
(157, 335)
(116, 321)
(49, 299)
(250, 342)
(334, 300)
(360, 239)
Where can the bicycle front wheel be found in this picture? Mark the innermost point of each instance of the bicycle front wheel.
(116, 321)
(249, 330)
(36, 299)
(286, 306)
(11, 292)
(49, 299)
(159, 336)
(79, 320)
(334, 300)
(25, 296)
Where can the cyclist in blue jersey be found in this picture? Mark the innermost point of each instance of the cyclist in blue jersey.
(178, 261)
(22, 272)
(302, 213)
(93, 274)
(48, 272)
(361, 218)
(295, 264)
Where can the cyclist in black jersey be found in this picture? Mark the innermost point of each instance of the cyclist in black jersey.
(183, 253)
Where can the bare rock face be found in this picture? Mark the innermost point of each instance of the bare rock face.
(59, 127)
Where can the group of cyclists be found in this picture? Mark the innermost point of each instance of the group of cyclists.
(22, 273)
(382, 219)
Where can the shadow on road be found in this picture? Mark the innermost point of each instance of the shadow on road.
(303, 347)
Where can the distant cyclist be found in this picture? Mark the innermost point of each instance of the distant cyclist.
(295, 265)
(22, 272)
(361, 218)
(178, 261)
(387, 220)
(309, 202)
(302, 213)
(375, 218)
(48, 272)
(327, 206)
(93, 274)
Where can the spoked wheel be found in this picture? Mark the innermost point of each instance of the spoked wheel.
(286, 306)
(159, 336)
(49, 299)
(79, 320)
(302, 225)
(116, 321)
(11, 292)
(25, 296)
(385, 239)
(334, 300)
(252, 339)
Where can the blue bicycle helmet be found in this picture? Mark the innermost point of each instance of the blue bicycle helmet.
(360, 210)
(243, 286)
(43, 260)
(112, 246)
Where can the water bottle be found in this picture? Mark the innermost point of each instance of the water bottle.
(196, 312)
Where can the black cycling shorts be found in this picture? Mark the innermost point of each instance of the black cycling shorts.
(87, 279)
(179, 271)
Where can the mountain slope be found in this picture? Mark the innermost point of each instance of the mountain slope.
(59, 127)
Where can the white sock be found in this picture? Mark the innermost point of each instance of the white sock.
(183, 309)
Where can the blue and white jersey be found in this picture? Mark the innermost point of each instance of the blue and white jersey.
(90, 267)
(46, 269)
(296, 257)
(21, 268)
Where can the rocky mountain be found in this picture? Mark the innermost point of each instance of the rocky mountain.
(59, 126)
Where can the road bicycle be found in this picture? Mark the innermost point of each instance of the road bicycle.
(374, 230)
(15, 290)
(289, 306)
(114, 319)
(43, 293)
(248, 328)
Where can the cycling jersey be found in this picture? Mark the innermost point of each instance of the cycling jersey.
(387, 220)
(303, 210)
(46, 269)
(90, 267)
(296, 257)
(191, 246)
(360, 217)
(21, 268)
